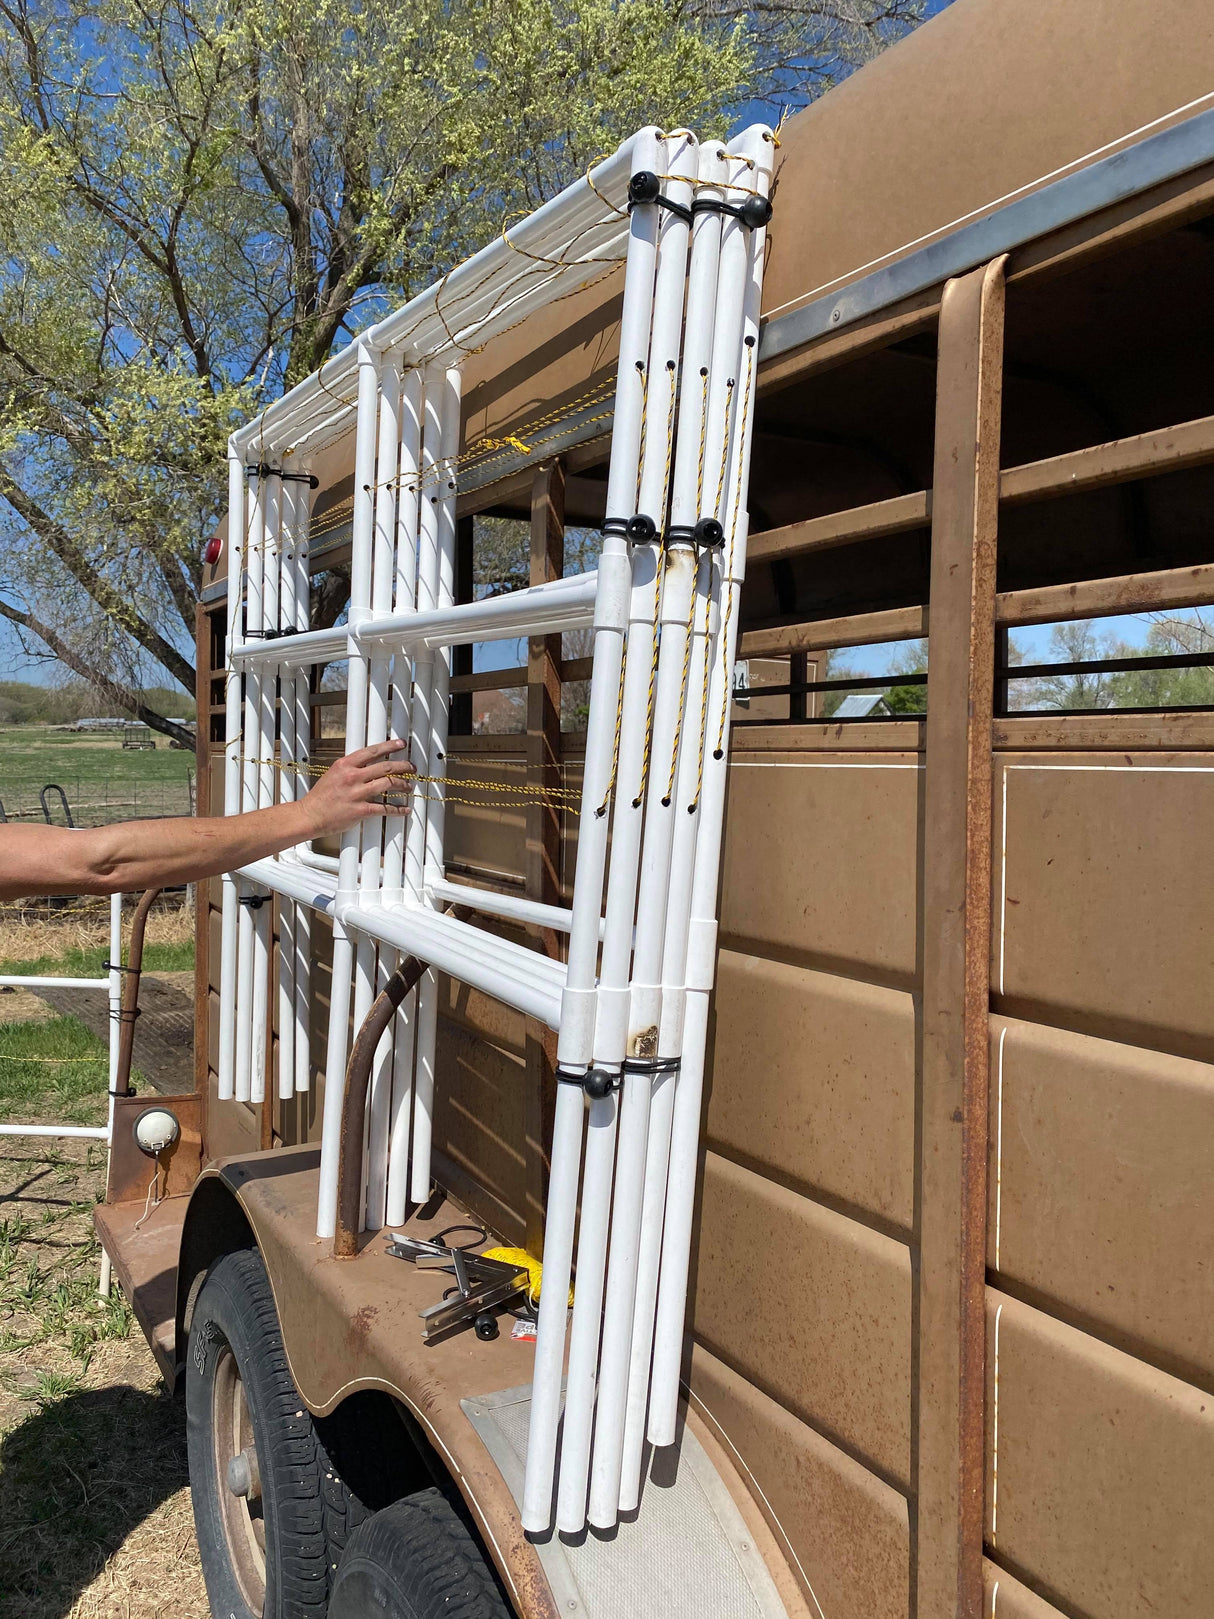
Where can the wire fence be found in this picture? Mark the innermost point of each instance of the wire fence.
(95, 801)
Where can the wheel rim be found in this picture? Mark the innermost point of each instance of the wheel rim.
(243, 1520)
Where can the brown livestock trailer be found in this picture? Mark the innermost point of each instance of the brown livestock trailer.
(951, 1347)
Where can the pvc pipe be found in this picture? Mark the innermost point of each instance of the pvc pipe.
(562, 604)
(670, 1045)
(442, 499)
(314, 646)
(404, 603)
(19, 981)
(511, 907)
(58, 1131)
(263, 916)
(575, 1045)
(449, 951)
(317, 862)
(644, 995)
(555, 218)
(659, 380)
(627, 819)
(657, 991)
(356, 721)
(383, 581)
(587, 1314)
(701, 964)
(248, 794)
(231, 777)
(288, 1009)
(314, 889)
(300, 695)
(657, 1163)
(115, 1009)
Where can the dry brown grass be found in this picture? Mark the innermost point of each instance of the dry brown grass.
(30, 932)
(95, 1516)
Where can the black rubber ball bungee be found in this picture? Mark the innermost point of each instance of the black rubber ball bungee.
(755, 212)
(641, 529)
(708, 531)
(598, 1083)
(644, 186)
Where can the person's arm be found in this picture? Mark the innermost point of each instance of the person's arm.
(158, 854)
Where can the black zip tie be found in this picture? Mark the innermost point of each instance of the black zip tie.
(263, 470)
(122, 1015)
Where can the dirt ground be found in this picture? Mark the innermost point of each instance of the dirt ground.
(95, 1516)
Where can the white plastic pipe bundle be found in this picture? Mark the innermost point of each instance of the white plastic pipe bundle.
(659, 810)
(563, 245)
(630, 1005)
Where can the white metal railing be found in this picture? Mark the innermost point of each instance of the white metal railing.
(112, 984)
(630, 1004)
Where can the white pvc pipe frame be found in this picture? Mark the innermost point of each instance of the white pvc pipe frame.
(492, 290)
(112, 984)
(653, 983)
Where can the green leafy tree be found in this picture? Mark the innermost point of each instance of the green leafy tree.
(1190, 633)
(199, 201)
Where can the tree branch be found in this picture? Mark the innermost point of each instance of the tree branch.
(111, 602)
(119, 694)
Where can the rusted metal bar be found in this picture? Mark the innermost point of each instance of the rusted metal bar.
(951, 1172)
(859, 629)
(266, 1110)
(491, 679)
(1182, 730)
(1096, 598)
(543, 867)
(461, 656)
(1144, 455)
(204, 641)
(1046, 604)
(354, 1105)
(129, 1009)
(897, 516)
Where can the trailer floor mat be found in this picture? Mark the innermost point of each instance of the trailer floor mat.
(685, 1551)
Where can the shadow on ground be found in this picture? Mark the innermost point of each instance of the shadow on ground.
(77, 1477)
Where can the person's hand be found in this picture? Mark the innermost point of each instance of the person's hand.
(357, 786)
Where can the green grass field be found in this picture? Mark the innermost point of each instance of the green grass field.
(52, 1070)
(173, 957)
(103, 780)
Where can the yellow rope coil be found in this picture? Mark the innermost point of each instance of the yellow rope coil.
(524, 1261)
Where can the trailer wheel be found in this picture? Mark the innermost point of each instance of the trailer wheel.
(262, 1484)
(415, 1560)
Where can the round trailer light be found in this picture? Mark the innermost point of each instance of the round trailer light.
(212, 550)
(155, 1129)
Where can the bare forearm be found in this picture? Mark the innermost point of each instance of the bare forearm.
(145, 854)
(160, 854)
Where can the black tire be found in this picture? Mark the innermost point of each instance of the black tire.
(267, 1555)
(416, 1560)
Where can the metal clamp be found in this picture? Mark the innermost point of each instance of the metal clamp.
(480, 1285)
